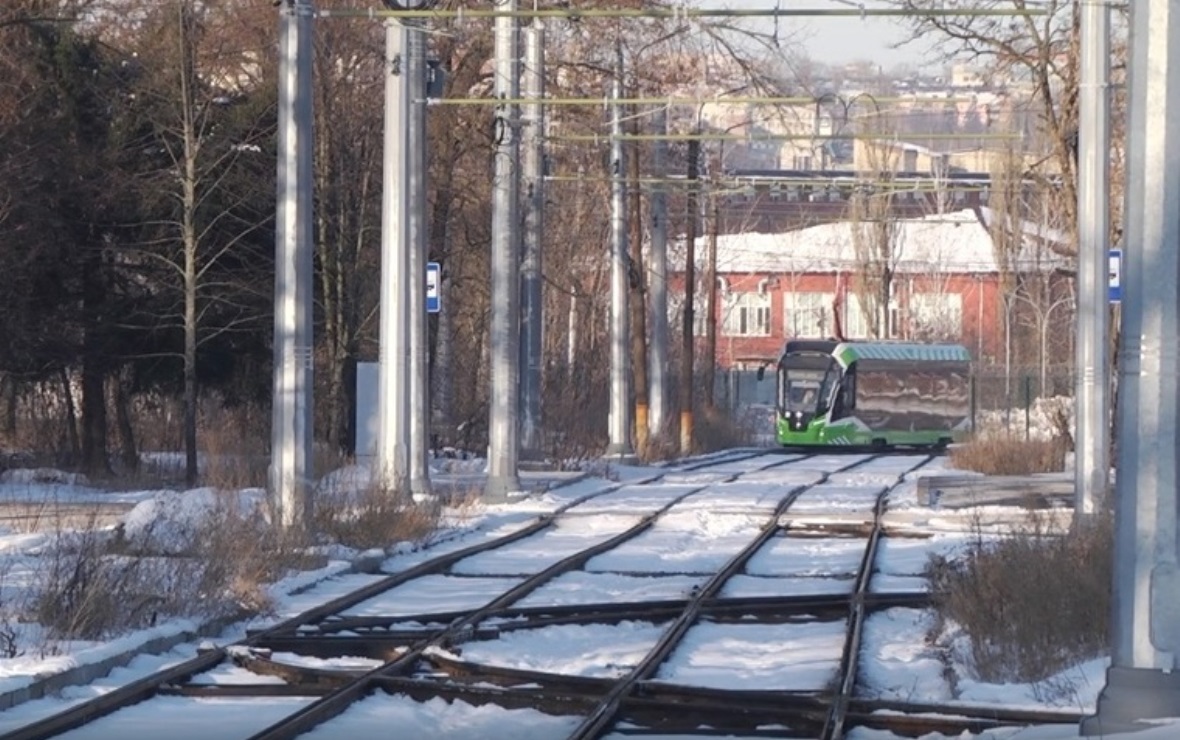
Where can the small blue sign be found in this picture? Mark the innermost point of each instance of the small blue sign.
(1115, 284)
(433, 284)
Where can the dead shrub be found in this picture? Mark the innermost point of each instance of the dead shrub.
(96, 583)
(1031, 603)
(373, 517)
(1002, 454)
(717, 429)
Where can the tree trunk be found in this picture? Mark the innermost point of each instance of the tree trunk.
(638, 302)
(8, 418)
(128, 449)
(71, 417)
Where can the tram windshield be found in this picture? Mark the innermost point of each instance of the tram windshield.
(806, 390)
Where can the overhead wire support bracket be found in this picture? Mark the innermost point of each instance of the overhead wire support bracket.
(681, 13)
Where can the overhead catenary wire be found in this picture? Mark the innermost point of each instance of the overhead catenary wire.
(1032, 9)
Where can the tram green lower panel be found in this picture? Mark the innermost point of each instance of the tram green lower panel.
(852, 434)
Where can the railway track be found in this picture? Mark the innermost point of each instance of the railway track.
(311, 669)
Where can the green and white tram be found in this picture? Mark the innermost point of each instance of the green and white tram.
(872, 393)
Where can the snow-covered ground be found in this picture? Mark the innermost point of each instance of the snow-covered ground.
(667, 561)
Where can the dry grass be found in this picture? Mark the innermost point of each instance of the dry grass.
(373, 517)
(1032, 603)
(95, 583)
(999, 454)
(716, 429)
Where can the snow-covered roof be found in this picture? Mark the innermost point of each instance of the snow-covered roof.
(950, 243)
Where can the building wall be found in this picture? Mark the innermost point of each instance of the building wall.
(923, 308)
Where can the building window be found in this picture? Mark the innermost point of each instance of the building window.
(936, 315)
(855, 325)
(745, 315)
(809, 315)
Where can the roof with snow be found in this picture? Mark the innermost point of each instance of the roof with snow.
(950, 243)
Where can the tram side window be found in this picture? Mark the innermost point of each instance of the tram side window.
(845, 399)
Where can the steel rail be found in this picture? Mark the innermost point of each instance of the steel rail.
(333, 704)
(606, 710)
(144, 688)
(849, 660)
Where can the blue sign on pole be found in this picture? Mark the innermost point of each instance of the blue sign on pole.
(1115, 284)
(433, 282)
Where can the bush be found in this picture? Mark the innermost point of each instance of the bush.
(372, 517)
(1032, 603)
(217, 560)
(1002, 454)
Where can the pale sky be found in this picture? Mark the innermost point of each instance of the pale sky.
(839, 40)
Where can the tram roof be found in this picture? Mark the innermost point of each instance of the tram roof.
(849, 352)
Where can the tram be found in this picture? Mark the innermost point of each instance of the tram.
(878, 394)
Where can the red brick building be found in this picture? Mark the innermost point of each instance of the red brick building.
(945, 283)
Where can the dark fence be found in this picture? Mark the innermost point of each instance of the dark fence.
(1024, 400)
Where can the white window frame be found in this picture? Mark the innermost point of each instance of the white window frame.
(936, 315)
(745, 314)
(808, 314)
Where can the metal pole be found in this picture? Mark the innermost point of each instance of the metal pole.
(657, 271)
(711, 297)
(620, 396)
(533, 156)
(687, 328)
(393, 386)
(1092, 383)
(419, 246)
(503, 435)
(291, 417)
(1142, 681)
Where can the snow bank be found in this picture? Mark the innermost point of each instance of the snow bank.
(1044, 421)
(173, 522)
(30, 476)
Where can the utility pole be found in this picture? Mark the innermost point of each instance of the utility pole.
(620, 397)
(419, 246)
(1092, 468)
(638, 295)
(657, 270)
(533, 161)
(690, 276)
(711, 297)
(503, 433)
(291, 418)
(393, 386)
(1142, 682)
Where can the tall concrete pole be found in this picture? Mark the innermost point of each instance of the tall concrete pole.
(1142, 681)
(657, 270)
(291, 417)
(1092, 468)
(419, 246)
(393, 387)
(533, 156)
(620, 396)
(687, 335)
(503, 433)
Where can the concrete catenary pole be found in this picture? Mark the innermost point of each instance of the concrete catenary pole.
(533, 161)
(393, 386)
(503, 433)
(657, 270)
(291, 420)
(620, 397)
(1142, 681)
(687, 328)
(419, 246)
(1092, 469)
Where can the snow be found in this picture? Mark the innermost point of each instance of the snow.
(436, 718)
(950, 243)
(715, 517)
(172, 522)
